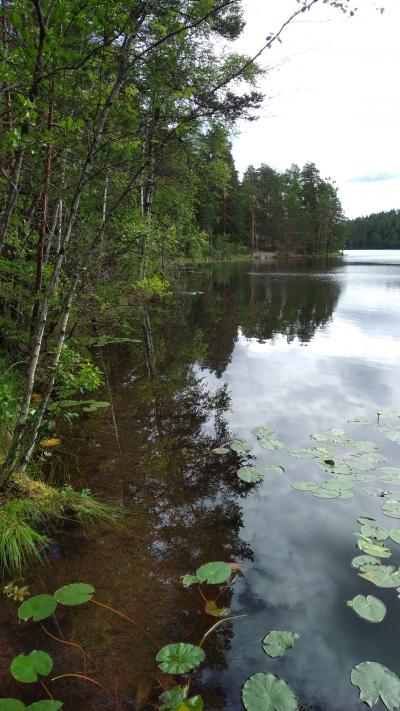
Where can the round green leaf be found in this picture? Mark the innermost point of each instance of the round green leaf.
(383, 576)
(364, 519)
(188, 580)
(271, 444)
(262, 432)
(369, 608)
(374, 681)
(11, 705)
(266, 692)
(378, 533)
(240, 446)
(74, 594)
(27, 668)
(214, 573)
(395, 535)
(275, 468)
(37, 608)
(326, 493)
(306, 486)
(302, 453)
(250, 474)
(172, 697)
(390, 475)
(373, 548)
(391, 508)
(364, 562)
(179, 658)
(46, 705)
(277, 642)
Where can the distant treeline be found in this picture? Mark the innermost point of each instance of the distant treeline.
(378, 231)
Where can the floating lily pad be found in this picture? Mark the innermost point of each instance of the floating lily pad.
(364, 519)
(220, 450)
(395, 535)
(383, 576)
(392, 433)
(320, 436)
(240, 446)
(391, 508)
(179, 658)
(214, 573)
(46, 705)
(11, 705)
(277, 642)
(326, 493)
(378, 533)
(175, 699)
(262, 432)
(374, 681)
(373, 548)
(188, 580)
(364, 447)
(250, 474)
(37, 608)
(211, 608)
(365, 561)
(275, 468)
(368, 607)
(302, 453)
(305, 486)
(74, 594)
(390, 475)
(271, 444)
(266, 692)
(27, 668)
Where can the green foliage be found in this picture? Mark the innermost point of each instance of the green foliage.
(179, 658)
(377, 231)
(266, 692)
(76, 374)
(276, 643)
(37, 608)
(28, 668)
(250, 474)
(368, 607)
(376, 681)
(74, 594)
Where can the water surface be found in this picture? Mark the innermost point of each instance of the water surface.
(300, 347)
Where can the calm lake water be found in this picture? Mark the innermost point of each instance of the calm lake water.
(301, 348)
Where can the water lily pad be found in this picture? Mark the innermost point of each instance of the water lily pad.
(172, 697)
(220, 450)
(363, 562)
(374, 681)
(395, 535)
(250, 474)
(373, 548)
(275, 468)
(368, 607)
(179, 658)
(262, 432)
(211, 608)
(74, 594)
(277, 642)
(326, 493)
(320, 437)
(392, 433)
(37, 608)
(302, 453)
(383, 576)
(27, 668)
(266, 692)
(338, 483)
(11, 705)
(46, 705)
(240, 446)
(214, 573)
(364, 446)
(391, 508)
(364, 519)
(305, 486)
(271, 444)
(377, 533)
(390, 475)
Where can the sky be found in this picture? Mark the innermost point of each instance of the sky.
(332, 96)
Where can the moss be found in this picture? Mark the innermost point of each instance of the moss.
(31, 507)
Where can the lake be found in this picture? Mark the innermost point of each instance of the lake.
(301, 347)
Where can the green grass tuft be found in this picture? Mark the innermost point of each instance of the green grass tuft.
(20, 544)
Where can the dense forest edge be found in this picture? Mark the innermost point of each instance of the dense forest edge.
(380, 230)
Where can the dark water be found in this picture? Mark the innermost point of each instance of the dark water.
(299, 347)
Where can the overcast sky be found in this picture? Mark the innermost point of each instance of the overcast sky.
(332, 97)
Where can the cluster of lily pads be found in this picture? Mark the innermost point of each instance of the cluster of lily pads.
(249, 472)
(32, 667)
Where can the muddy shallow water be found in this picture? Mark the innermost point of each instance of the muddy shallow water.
(302, 348)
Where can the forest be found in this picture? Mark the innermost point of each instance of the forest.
(377, 231)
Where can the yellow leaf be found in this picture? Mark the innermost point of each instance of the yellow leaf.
(37, 397)
(52, 442)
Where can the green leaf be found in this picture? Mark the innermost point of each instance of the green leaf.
(195, 703)
(373, 548)
(365, 562)
(390, 475)
(306, 486)
(392, 433)
(179, 658)
(37, 608)
(214, 573)
(378, 533)
(277, 642)
(266, 692)
(46, 705)
(374, 681)
(364, 519)
(189, 580)
(369, 608)
(240, 446)
(220, 450)
(211, 608)
(275, 468)
(27, 668)
(11, 705)
(262, 432)
(271, 444)
(302, 453)
(95, 405)
(250, 474)
(74, 594)
(172, 697)
(395, 535)
(326, 493)
(383, 576)
(391, 508)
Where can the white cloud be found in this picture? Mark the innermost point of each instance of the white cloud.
(333, 95)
